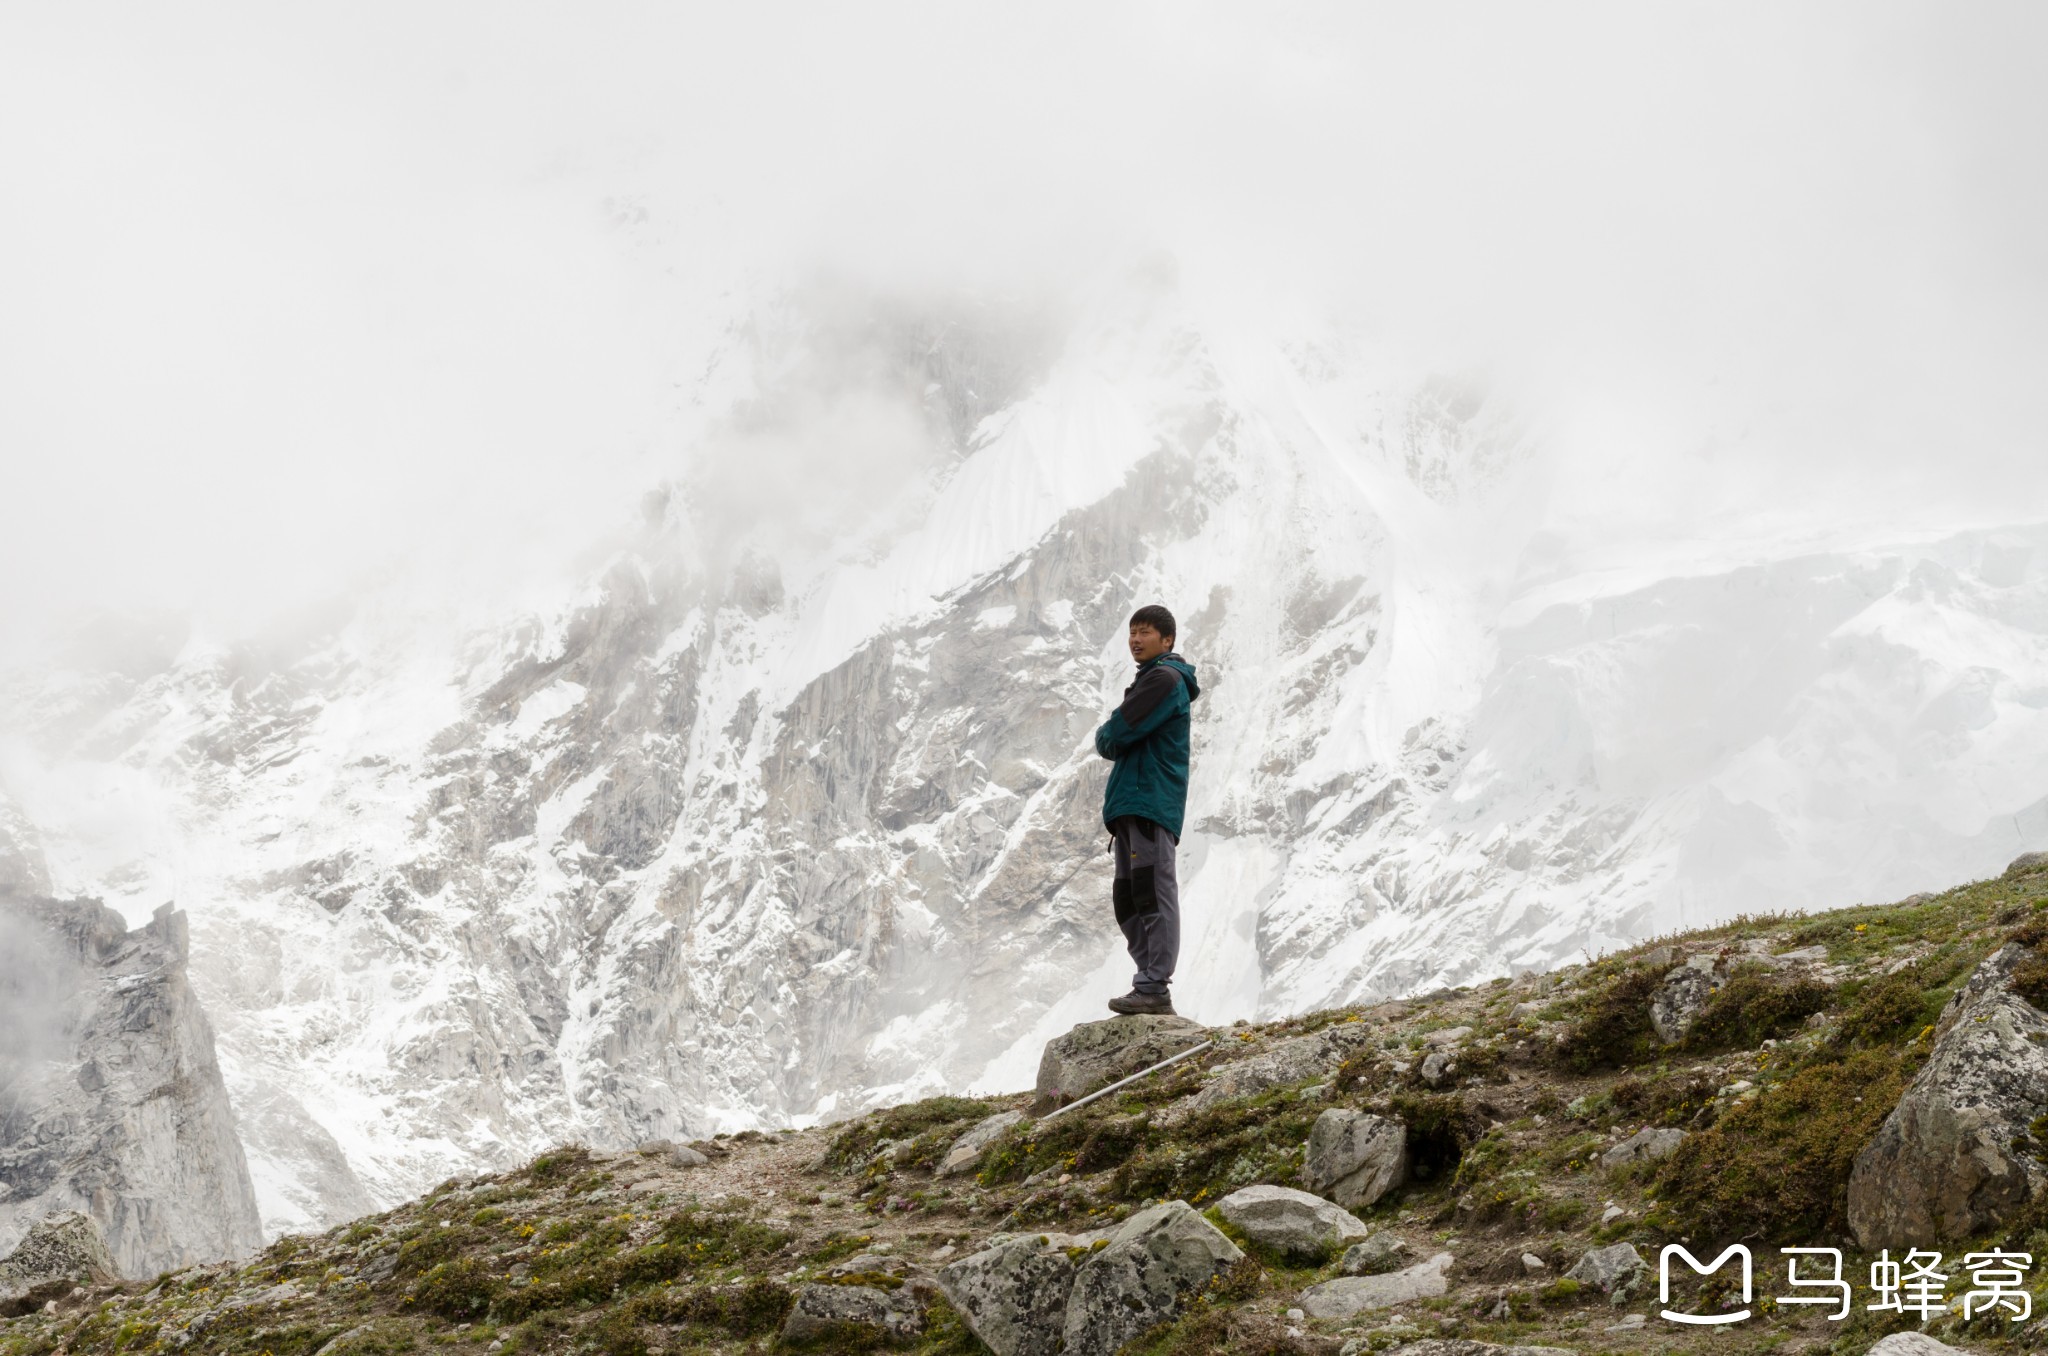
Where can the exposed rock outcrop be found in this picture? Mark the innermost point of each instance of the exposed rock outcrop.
(826, 1312)
(1096, 1054)
(1013, 1295)
(1355, 1157)
(1681, 998)
(1944, 1164)
(111, 1100)
(60, 1252)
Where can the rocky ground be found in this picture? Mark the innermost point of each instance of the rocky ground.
(1477, 1170)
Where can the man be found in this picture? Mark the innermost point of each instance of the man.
(1147, 797)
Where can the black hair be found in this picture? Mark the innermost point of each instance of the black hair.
(1156, 617)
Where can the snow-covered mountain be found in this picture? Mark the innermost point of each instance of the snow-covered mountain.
(791, 806)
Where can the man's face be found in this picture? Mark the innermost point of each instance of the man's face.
(1146, 643)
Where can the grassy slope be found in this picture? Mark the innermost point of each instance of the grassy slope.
(625, 1254)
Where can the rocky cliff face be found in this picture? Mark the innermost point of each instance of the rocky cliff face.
(111, 1100)
(791, 810)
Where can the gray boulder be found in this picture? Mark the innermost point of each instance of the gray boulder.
(62, 1251)
(1380, 1253)
(823, 1312)
(1291, 1221)
(1155, 1260)
(1348, 1295)
(1013, 1295)
(1436, 1067)
(1943, 1165)
(673, 1154)
(1644, 1146)
(1355, 1157)
(967, 1150)
(1609, 1269)
(1680, 999)
(1096, 1054)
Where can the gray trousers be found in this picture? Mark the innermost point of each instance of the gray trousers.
(1147, 895)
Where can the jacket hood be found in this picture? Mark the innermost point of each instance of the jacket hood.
(1186, 670)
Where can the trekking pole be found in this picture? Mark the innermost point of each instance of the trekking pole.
(1121, 1082)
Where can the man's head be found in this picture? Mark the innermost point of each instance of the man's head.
(1152, 632)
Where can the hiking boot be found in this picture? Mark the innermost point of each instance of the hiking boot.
(1135, 1004)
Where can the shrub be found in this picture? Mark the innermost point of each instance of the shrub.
(1752, 1008)
(1613, 1031)
(434, 1245)
(558, 1164)
(1884, 1011)
(1777, 1168)
(460, 1291)
(1670, 1100)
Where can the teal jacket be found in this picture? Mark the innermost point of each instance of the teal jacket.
(1147, 736)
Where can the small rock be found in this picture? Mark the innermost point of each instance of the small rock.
(1380, 1253)
(1913, 1344)
(1450, 1035)
(967, 1150)
(1296, 1315)
(1805, 955)
(1644, 1146)
(1348, 1295)
(1355, 1157)
(1611, 1214)
(1629, 1323)
(1609, 1268)
(1436, 1066)
(1659, 957)
(1439, 1346)
(821, 1311)
(1525, 1012)
(1290, 1221)
(1532, 1264)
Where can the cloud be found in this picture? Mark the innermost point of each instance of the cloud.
(292, 290)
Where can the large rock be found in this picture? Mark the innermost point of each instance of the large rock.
(967, 1150)
(1943, 1165)
(1013, 1295)
(1096, 1054)
(1291, 1221)
(1155, 1260)
(1608, 1269)
(1644, 1146)
(823, 1312)
(1355, 1157)
(60, 1252)
(1348, 1295)
(114, 1100)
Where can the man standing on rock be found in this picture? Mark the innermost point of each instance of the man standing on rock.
(1147, 797)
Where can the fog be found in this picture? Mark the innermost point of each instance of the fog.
(294, 295)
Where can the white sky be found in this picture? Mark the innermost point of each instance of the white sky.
(284, 289)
